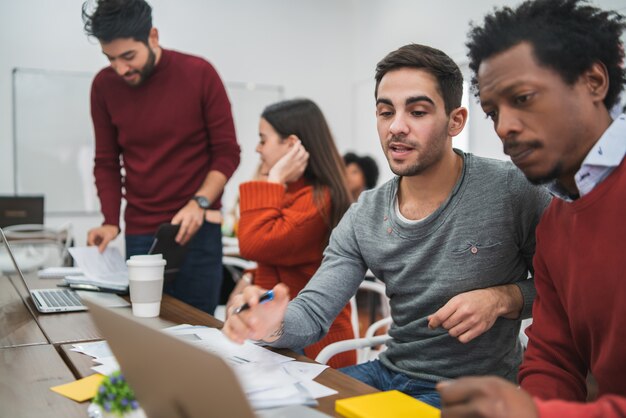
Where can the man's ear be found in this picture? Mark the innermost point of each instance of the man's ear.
(153, 38)
(596, 79)
(456, 121)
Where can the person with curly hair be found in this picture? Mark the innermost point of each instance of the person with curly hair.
(361, 173)
(547, 73)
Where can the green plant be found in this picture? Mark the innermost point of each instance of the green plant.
(114, 395)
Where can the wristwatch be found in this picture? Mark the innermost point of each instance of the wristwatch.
(202, 201)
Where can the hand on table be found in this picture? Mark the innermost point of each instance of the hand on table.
(484, 397)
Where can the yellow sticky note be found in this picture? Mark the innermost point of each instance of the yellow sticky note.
(82, 389)
(385, 404)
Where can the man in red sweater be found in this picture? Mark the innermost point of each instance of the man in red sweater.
(547, 74)
(164, 117)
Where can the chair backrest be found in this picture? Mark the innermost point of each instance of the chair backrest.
(363, 346)
(37, 246)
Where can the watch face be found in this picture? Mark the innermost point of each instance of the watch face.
(203, 202)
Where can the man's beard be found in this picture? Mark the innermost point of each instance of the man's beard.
(547, 178)
(146, 70)
(427, 158)
(555, 173)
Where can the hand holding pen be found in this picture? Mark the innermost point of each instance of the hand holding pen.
(265, 297)
(258, 315)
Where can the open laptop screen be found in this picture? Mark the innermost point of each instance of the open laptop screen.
(21, 210)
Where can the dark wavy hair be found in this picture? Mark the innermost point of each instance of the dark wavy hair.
(118, 19)
(367, 165)
(567, 36)
(431, 60)
(304, 119)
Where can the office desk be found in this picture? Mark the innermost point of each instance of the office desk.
(17, 326)
(26, 375)
(28, 372)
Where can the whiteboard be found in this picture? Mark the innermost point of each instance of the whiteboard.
(54, 141)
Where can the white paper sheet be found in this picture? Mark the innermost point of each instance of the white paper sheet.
(107, 269)
(213, 340)
(98, 349)
(302, 370)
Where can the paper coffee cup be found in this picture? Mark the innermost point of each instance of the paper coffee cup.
(145, 279)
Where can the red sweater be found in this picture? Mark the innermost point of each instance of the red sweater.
(284, 232)
(579, 312)
(170, 132)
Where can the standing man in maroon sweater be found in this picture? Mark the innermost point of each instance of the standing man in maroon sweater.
(547, 74)
(164, 118)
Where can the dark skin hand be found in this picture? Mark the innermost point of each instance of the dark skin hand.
(484, 397)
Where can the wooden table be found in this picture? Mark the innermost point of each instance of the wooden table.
(36, 352)
(17, 327)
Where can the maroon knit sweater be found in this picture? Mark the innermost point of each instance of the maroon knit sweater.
(170, 132)
(580, 275)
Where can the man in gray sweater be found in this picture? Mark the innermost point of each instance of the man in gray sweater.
(452, 237)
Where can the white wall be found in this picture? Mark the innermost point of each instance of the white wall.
(323, 49)
(302, 46)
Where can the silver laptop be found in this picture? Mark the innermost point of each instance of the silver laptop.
(45, 300)
(172, 378)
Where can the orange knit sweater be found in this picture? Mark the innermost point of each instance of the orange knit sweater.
(284, 232)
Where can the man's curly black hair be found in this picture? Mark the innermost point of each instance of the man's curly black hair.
(567, 36)
(118, 19)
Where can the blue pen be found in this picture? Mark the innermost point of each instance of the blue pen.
(265, 297)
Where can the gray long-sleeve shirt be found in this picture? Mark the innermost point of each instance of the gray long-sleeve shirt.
(483, 235)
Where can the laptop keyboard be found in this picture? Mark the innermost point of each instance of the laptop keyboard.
(60, 298)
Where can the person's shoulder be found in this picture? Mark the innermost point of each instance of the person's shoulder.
(189, 60)
(492, 170)
(488, 166)
(373, 199)
(503, 177)
(105, 76)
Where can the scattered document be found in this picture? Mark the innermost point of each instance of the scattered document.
(97, 349)
(213, 340)
(107, 365)
(295, 394)
(107, 269)
(59, 272)
(80, 390)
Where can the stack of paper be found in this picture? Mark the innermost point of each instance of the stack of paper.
(106, 270)
(269, 379)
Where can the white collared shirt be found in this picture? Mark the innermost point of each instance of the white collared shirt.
(601, 160)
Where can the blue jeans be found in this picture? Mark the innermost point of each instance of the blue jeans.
(375, 374)
(199, 280)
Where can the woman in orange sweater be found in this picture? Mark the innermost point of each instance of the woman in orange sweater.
(285, 221)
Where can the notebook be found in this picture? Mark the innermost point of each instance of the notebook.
(173, 378)
(21, 210)
(392, 403)
(45, 300)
